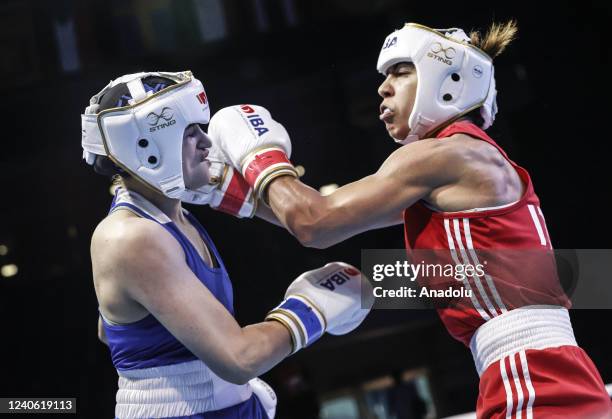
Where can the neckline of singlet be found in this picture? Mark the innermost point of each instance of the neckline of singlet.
(497, 207)
(136, 203)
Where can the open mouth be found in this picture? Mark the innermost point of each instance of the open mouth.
(386, 114)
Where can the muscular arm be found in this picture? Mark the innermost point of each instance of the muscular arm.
(150, 266)
(376, 201)
(268, 215)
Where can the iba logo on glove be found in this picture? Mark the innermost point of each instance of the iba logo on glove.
(255, 120)
(338, 278)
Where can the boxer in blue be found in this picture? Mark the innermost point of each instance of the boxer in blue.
(165, 298)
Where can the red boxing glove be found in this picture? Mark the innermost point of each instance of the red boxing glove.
(254, 143)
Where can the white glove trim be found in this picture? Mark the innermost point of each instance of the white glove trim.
(291, 328)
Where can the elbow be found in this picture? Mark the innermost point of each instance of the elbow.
(238, 370)
(235, 373)
(312, 236)
(247, 365)
(307, 235)
(238, 377)
(308, 229)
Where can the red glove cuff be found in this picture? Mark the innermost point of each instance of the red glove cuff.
(236, 195)
(264, 165)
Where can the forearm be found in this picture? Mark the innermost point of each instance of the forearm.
(236, 353)
(264, 345)
(322, 221)
(265, 213)
(298, 207)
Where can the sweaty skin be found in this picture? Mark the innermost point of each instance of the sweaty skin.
(139, 268)
(453, 174)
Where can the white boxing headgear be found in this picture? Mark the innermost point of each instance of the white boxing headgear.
(454, 77)
(145, 138)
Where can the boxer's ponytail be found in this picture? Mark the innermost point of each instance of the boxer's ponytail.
(497, 38)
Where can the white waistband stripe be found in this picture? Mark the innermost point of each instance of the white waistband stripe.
(175, 390)
(531, 327)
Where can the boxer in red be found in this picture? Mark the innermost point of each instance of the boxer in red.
(455, 190)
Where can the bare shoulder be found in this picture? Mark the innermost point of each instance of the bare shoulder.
(124, 241)
(429, 159)
(430, 150)
(472, 148)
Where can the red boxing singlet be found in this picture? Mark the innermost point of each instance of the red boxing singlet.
(527, 357)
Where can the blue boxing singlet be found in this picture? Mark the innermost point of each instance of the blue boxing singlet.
(158, 376)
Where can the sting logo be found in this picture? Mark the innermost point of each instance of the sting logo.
(444, 55)
(166, 116)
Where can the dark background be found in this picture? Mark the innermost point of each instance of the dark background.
(312, 64)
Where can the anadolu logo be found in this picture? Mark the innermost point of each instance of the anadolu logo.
(166, 116)
(255, 120)
(443, 55)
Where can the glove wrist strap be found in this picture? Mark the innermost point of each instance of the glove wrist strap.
(262, 166)
(305, 322)
(236, 195)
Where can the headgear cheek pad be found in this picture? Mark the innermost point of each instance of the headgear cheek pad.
(145, 138)
(453, 76)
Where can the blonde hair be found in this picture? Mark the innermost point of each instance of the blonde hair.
(497, 38)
